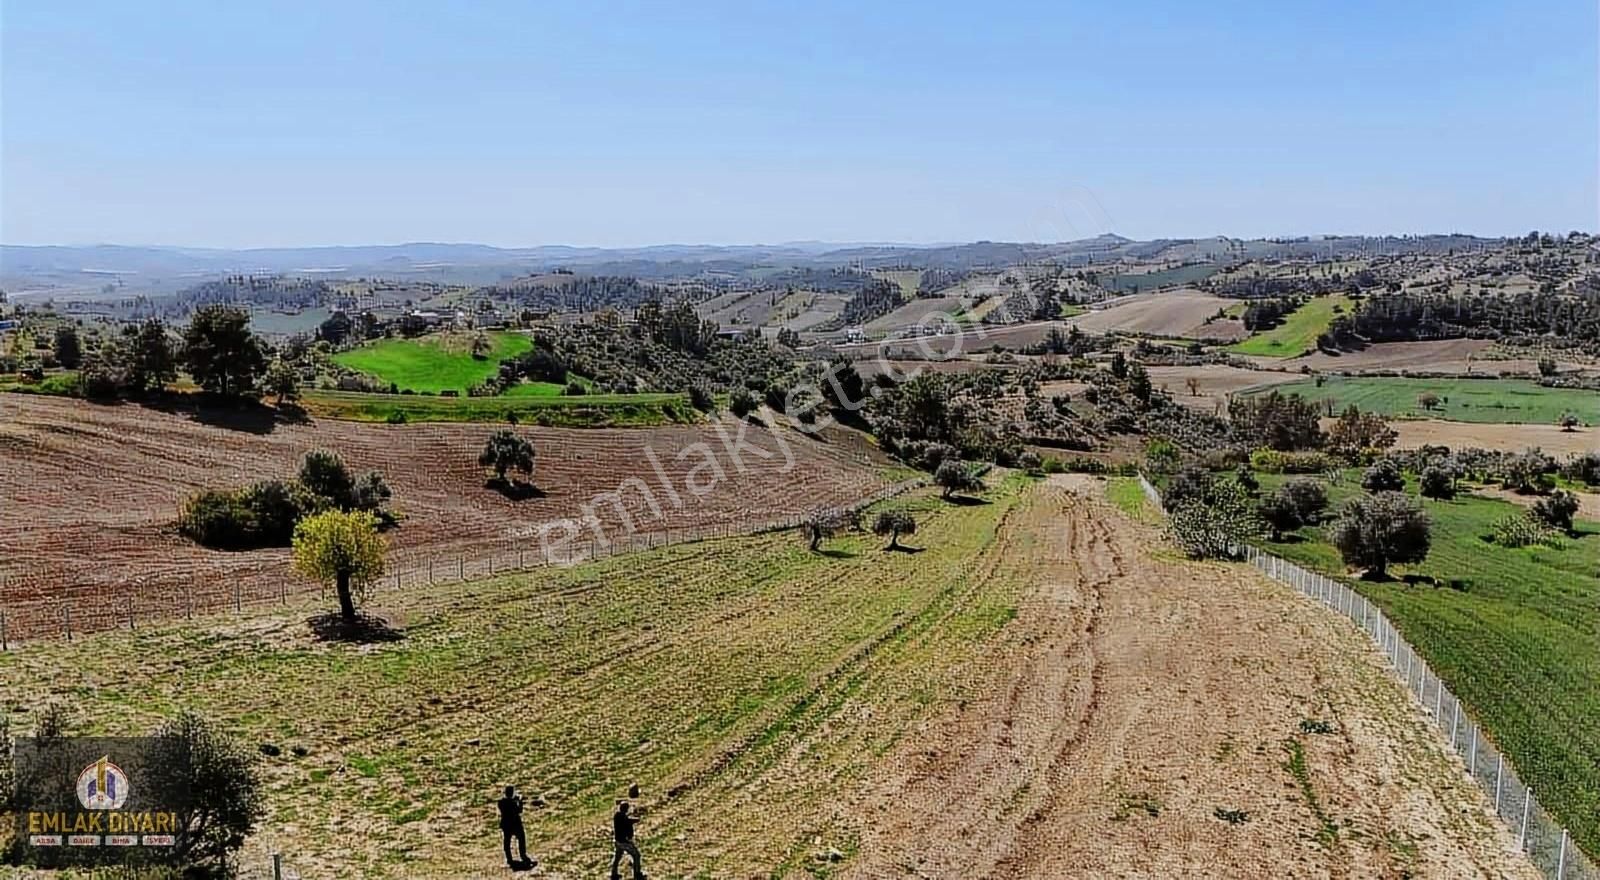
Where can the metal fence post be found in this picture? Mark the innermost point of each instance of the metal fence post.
(1561, 861)
(1455, 726)
(1438, 697)
(4, 645)
(1474, 765)
(66, 620)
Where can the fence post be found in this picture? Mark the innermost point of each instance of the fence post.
(238, 596)
(1527, 801)
(4, 645)
(277, 866)
(461, 568)
(130, 611)
(1474, 765)
(1499, 774)
(1561, 861)
(1438, 697)
(1455, 725)
(66, 620)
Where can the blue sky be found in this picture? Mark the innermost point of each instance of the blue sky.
(345, 122)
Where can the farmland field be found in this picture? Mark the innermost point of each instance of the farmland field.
(1039, 671)
(433, 363)
(531, 406)
(1178, 313)
(1299, 331)
(90, 532)
(1517, 638)
(1461, 400)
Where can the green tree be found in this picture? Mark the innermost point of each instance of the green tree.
(68, 349)
(828, 523)
(505, 451)
(894, 523)
(1279, 513)
(1557, 510)
(221, 353)
(1374, 532)
(955, 476)
(344, 548)
(1383, 476)
(151, 361)
(742, 403)
(1437, 483)
(283, 380)
(215, 779)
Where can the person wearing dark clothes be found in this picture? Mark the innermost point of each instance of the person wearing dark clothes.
(622, 834)
(511, 826)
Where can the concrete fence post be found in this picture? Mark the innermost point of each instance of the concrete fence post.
(1527, 803)
(1499, 776)
(1561, 860)
(1473, 763)
(1455, 726)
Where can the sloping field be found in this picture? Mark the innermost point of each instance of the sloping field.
(1299, 331)
(1214, 383)
(92, 492)
(1461, 356)
(434, 363)
(918, 311)
(1514, 438)
(1181, 313)
(1458, 399)
(1039, 692)
(976, 341)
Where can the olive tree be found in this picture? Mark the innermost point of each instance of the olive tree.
(894, 523)
(1557, 510)
(828, 523)
(955, 476)
(1374, 532)
(342, 547)
(505, 451)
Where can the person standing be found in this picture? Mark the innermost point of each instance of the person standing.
(622, 836)
(511, 827)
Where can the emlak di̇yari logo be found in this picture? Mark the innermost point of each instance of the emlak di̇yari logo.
(98, 800)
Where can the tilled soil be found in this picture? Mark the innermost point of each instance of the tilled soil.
(89, 497)
(1153, 717)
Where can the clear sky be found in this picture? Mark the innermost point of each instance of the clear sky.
(519, 123)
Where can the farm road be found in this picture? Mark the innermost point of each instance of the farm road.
(1141, 702)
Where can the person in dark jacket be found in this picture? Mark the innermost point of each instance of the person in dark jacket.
(622, 835)
(511, 826)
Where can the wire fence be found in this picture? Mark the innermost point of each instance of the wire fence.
(1547, 843)
(127, 606)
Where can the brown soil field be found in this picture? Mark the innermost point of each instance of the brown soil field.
(1457, 435)
(977, 341)
(1445, 356)
(1136, 697)
(92, 493)
(872, 366)
(1180, 313)
(1217, 382)
(936, 311)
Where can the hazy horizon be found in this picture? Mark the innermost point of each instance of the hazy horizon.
(354, 124)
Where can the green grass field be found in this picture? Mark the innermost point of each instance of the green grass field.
(744, 671)
(1299, 331)
(549, 410)
(1462, 400)
(1518, 639)
(433, 363)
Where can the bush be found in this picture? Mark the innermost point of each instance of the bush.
(1278, 512)
(218, 519)
(1192, 484)
(1308, 497)
(1030, 461)
(1376, 531)
(1246, 479)
(1438, 483)
(828, 523)
(574, 389)
(1383, 476)
(1583, 468)
(1272, 461)
(1214, 528)
(1557, 510)
(742, 403)
(1523, 530)
(700, 398)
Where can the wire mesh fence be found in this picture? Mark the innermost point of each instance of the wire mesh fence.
(73, 614)
(1547, 843)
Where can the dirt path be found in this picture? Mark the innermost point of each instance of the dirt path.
(1141, 702)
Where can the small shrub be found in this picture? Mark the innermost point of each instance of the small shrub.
(1557, 510)
(700, 398)
(1523, 530)
(1438, 483)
